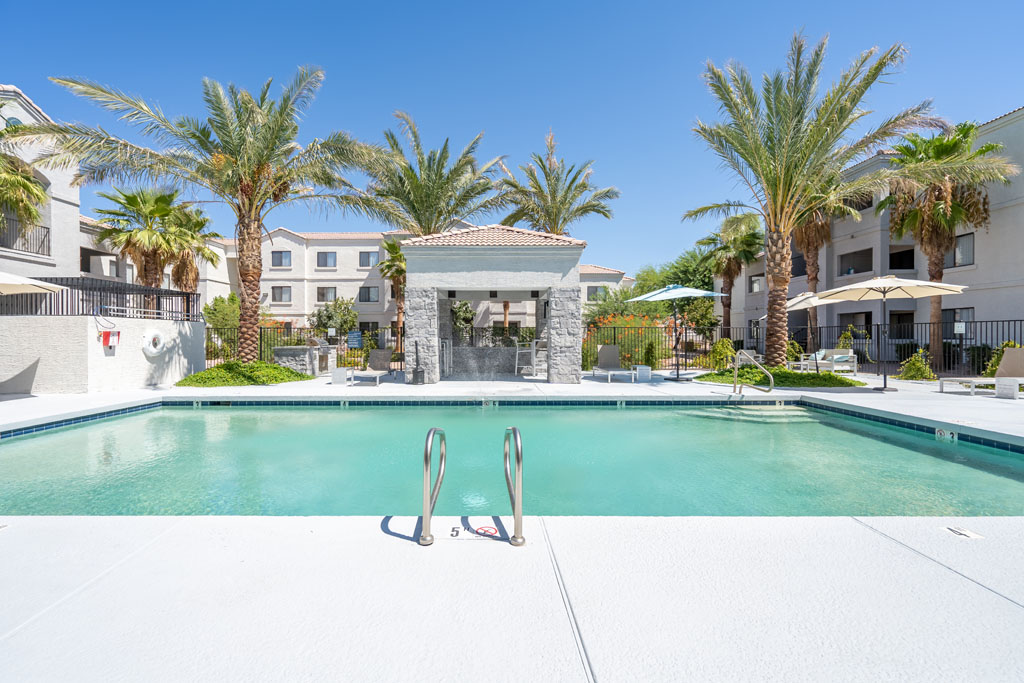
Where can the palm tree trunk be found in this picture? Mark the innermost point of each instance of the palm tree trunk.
(727, 284)
(778, 262)
(505, 306)
(151, 276)
(936, 266)
(813, 270)
(250, 268)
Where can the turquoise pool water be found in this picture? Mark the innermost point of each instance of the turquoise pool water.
(578, 461)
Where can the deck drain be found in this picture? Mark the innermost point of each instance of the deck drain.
(962, 532)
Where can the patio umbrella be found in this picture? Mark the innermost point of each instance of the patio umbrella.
(16, 284)
(671, 293)
(885, 288)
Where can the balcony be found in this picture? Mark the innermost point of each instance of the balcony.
(34, 241)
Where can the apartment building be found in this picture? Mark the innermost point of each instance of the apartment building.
(990, 262)
(63, 244)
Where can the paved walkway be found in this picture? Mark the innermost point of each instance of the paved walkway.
(587, 598)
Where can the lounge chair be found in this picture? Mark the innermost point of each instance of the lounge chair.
(378, 365)
(608, 363)
(831, 360)
(529, 351)
(1011, 367)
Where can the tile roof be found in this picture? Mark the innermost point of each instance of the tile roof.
(590, 269)
(494, 236)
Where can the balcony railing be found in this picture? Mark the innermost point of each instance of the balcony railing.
(33, 241)
(91, 296)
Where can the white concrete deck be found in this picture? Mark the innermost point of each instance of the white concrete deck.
(587, 598)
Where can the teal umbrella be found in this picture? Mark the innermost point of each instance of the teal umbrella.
(673, 292)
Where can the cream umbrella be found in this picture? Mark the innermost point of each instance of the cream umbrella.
(16, 284)
(885, 288)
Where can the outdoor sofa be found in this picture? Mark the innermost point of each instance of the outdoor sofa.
(1011, 367)
(832, 360)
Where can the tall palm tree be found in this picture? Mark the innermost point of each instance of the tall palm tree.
(138, 226)
(244, 153)
(188, 230)
(934, 214)
(432, 192)
(735, 244)
(393, 268)
(21, 194)
(788, 147)
(555, 196)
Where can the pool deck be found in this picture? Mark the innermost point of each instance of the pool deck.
(587, 598)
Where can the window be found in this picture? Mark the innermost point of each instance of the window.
(368, 259)
(902, 259)
(901, 324)
(326, 259)
(596, 292)
(167, 281)
(798, 266)
(956, 315)
(368, 327)
(129, 273)
(856, 262)
(324, 294)
(112, 267)
(860, 203)
(860, 322)
(962, 254)
(369, 295)
(281, 295)
(281, 259)
(755, 283)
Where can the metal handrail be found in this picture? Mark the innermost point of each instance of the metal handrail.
(737, 386)
(430, 495)
(515, 488)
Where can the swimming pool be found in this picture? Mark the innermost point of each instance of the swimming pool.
(678, 460)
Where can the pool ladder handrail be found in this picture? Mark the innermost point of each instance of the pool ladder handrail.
(430, 494)
(515, 488)
(737, 386)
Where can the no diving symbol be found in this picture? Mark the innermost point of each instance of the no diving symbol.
(487, 531)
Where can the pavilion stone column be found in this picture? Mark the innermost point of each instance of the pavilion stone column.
(421, 327)
(565, 335)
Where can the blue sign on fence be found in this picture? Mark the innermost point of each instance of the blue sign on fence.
(355, 339)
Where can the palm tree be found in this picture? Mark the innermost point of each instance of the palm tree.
(244, 153)
(735, 244)
(138, 226)
(934, 214)
(432, 192)
(190, 235)
(812, 233)
(789, 148)
(393, 268)
(557, 195)
(21, 194)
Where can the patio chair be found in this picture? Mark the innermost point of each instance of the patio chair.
(1011, 367)
(378, 365)
(831, 360)
(609, 364)
(529, 350)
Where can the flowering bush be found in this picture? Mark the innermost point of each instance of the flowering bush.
(642, 339)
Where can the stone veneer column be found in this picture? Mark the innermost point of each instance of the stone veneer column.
(421, 326)
(565, 335)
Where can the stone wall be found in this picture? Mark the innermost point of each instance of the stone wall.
(565, 335)
(305, 359)
(421, 316)
(483, 363)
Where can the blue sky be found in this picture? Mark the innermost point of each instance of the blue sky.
(618, 82)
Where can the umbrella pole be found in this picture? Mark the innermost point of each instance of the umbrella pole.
(675, 345)
(881, 352)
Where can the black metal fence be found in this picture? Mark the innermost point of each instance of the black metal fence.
(966, 349)
(662, 349)
(33, 241)
(495, 335)
(353, 349)
(109, 298)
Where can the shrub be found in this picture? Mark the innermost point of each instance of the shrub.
(997, 356)
(641, 340)
(749, 374)
(917, 367)
(722, 354)
(236, 374)
(978, 357)
(794, 350)
(339, 314)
